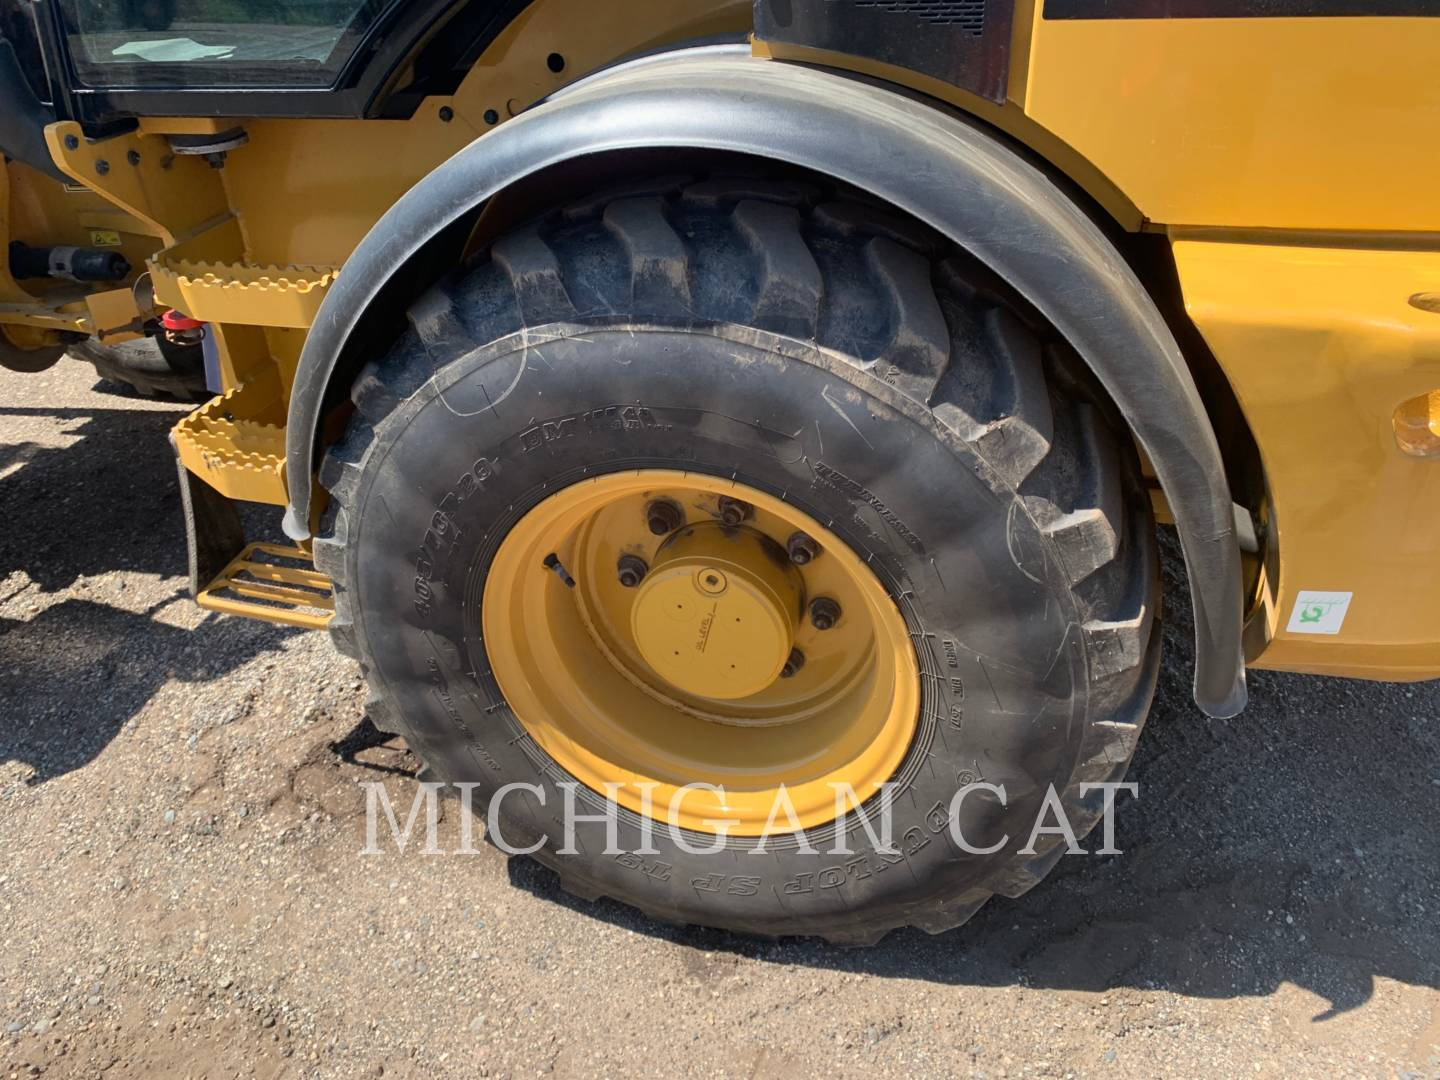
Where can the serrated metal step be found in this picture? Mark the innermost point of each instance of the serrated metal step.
(272, 582)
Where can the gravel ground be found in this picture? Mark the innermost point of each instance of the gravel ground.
(182, 892)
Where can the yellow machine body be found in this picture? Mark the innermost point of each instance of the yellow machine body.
(1289, 164)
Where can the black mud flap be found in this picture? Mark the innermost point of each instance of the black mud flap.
(214, 536)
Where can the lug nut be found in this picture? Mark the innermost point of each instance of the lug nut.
(793, 663)
(733, 511)
(824, 613)
(802, 549)
(664, 516)
(632, 570)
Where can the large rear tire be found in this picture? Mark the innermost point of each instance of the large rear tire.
(28, 361)
(842, 362)
(149, 366)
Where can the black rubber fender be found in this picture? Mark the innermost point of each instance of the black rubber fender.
(931, 163)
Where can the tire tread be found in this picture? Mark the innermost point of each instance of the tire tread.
(861, 280)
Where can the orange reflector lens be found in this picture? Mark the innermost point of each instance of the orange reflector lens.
(1417, 425)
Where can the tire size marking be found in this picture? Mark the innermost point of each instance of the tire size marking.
(605, 418)
(837, 480)
(956, 716)
(442, 537)
(440, 689)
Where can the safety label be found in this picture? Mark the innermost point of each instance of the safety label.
(1319, 612)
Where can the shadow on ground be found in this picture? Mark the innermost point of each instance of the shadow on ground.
(107, 501)
(73, 672)
(1295, 844)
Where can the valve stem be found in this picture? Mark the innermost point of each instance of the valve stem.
(552, 562)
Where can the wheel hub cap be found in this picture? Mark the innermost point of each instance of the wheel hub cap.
(717, 615)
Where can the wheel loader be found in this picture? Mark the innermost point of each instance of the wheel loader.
(678, 404)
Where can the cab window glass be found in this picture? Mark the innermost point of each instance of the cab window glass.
(214, 43)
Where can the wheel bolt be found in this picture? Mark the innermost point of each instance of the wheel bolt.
(632, 570)
(664, 516)
(733, 511)
(802, 549)
(824, 613)
(793, 663)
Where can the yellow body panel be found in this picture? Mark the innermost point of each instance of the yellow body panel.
(37, 210)
(1322, 345)
(169, 196)
(346, 173)
(30, 320)
(115, 314)
(1318, 124)
(1007, 116)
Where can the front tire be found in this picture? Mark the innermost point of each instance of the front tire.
(836, 358)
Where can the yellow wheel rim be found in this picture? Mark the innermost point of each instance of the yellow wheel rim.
(648, 642)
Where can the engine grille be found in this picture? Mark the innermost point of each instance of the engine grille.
(968, 15)
(962, 42)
